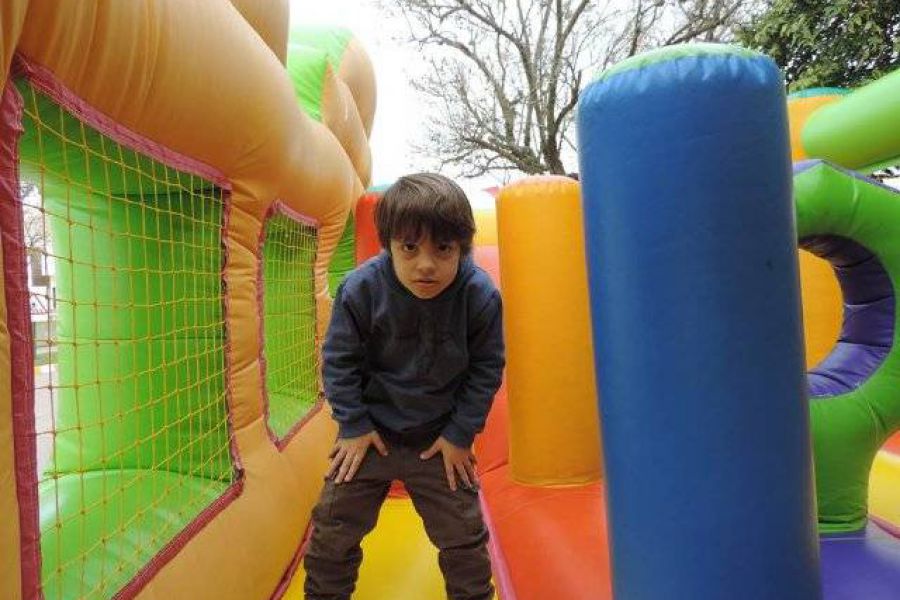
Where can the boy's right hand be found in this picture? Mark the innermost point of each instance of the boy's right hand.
(348, 454)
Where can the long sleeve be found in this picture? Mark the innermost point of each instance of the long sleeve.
(485, 372)
(343, 359)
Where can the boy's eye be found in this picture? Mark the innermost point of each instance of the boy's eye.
(408, 247)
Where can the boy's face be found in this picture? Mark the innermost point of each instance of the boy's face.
(424, 267)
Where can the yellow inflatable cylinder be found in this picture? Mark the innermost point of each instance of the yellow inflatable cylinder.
(485, 227)
(357, 72)
(484, 209)
(823, 307)
(554, 431)
(340, 115)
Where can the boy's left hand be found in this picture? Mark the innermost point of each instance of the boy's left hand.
(457, 461)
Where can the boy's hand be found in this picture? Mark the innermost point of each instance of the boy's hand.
(348, 454)
(457, 461)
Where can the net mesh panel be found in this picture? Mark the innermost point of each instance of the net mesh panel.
(125, 259)
(289, 306)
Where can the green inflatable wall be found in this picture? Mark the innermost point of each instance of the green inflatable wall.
(306, 67)
(330, 40)
(139, 428)
(289, 321)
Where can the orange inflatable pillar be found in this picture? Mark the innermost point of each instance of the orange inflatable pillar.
(554, 432)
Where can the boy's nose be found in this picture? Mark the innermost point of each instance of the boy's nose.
(426, 264)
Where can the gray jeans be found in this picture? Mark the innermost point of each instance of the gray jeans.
(348, 511)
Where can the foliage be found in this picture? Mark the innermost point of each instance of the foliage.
(839, 43)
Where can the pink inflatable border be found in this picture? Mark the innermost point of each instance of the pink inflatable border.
(20, 339)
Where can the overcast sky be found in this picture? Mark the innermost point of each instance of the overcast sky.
(399, 118)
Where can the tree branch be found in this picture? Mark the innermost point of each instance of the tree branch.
(504, 76)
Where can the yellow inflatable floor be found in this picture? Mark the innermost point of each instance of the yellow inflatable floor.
(399, 563)
(884, 488)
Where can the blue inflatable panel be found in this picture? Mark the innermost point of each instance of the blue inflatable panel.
(698, 340)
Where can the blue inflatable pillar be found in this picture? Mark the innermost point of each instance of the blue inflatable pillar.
(698, 340)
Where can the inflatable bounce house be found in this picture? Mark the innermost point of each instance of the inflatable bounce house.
(183, 183)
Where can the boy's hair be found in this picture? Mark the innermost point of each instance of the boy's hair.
(425, 204)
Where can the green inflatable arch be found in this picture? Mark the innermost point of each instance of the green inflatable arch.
(851, 221)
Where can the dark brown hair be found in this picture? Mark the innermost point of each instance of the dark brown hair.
(425, 204)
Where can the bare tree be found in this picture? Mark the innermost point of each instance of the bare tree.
(37, 239)
(503, 76)
(35, 229)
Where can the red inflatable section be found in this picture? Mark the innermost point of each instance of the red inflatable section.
(367, 244)
(552, 541)
(893, 444)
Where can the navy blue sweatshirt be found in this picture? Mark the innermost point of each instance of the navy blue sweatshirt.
(401, 362)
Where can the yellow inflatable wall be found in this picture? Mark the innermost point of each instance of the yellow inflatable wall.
(822, 300)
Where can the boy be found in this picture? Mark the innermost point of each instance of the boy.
(412, 359)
